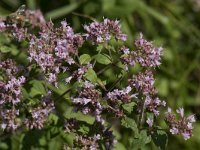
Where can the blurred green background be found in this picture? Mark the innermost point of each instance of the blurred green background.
(174, 24)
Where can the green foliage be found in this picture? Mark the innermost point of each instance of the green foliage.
(91, 75)
(160, 138)
(85, 59)
(129, 106)
(140, 141)
(130, 123)
(37, 88)
(102, 59)
(68, 138)
(79, 116)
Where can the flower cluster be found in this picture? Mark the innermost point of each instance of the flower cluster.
(127, 57)
(88, 142)
(17, 23)
(18, 33)
(145, 54)
(35, 18)
(92, 142)
(54, 47)
(100, 32)
(2, 25)
(88, 101)
(40, 114)
(152, 104)
(102, 134)
(78, 74)
(144, 82)
(183, 126)
(122, 95)
(10, 95)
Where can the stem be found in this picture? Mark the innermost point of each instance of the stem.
(141, 116)
(114, 84)
(107, 67)
(85, 16)
(95, 60)
(64, 93)
(104, 69)
(112, 108)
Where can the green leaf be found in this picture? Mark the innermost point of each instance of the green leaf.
(9, 49)
(42, 141)
(102, 59)
(69, 138)
(129, 107)
(1, 78)
(141, 141)
(99, 47)
(54, 131)
(55, 144)
(53, 118)
(3, 146)
(31, 138)
(84, 129)
(120, 146)
(130, 123)
(101, 84)
(104, 103)
(79, 116)
(160, 139)
(85, 59)
(91, 75)
(6, 49)
(62, 11)
(16, 140)
(37, 89)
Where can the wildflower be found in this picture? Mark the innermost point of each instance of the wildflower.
(53, 48)
(100, 32)
(152, 104)
(146, 54)
(87, 101)
(149, 122)
(143, 82)
(174, 130)
(122, 95)
(125, 50)
(2, 25)
(9, 119)
(182, 126)
(39, 115)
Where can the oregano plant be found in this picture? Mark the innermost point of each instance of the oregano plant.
(81, 90)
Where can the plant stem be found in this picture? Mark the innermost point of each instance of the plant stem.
(107, 67)
(141, 116)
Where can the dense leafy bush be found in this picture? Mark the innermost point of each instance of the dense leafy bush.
(81, 90)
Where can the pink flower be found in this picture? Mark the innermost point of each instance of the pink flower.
(180, 111)
(149, 122)
(174, 130)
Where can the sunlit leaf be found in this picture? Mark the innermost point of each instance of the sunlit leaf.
(37, 88)
(102, 59)
(140, 141)
(129, 106)
(85, 59)
(91, 75)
